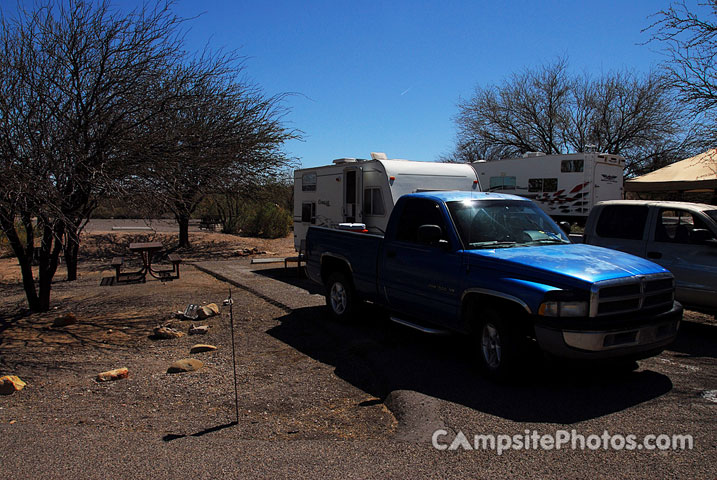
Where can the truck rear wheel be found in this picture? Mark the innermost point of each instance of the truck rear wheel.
(340, 296)
(496, 344)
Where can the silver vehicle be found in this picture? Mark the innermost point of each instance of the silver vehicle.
(680, 236)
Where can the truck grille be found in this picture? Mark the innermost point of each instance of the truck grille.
(632, 294)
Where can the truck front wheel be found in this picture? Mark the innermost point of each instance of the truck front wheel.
(340, 296)
(496, 345)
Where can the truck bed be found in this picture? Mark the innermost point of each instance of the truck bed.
(359, 250)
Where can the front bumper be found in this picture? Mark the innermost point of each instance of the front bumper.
(636, 341)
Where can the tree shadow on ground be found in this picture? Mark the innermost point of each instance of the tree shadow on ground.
(379, 357)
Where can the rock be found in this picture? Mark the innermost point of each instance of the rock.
(10, 384)
(198, 330)
(115, 374)
(202, 347)
(165, 332)
(207, 311)
(185, 365)
(65, 320)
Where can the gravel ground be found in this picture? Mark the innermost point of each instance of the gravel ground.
(316, 397)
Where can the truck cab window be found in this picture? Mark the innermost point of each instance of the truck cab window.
(417, 212)
(677, 226)
(622, 221)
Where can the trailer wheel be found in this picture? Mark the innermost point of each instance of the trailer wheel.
(496, 345)
(340, 296)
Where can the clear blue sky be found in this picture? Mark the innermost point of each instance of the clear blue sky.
(386, 76)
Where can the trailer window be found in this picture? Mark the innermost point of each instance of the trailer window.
(502, 183)
(308, 212)
(543, 185)
(308, 182)
(550, 184)
(571, 166)
(622, 221)
(373, 202)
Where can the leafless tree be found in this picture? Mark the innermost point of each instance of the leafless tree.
(689, 36)
(550, 111)
(526, 113)
(219, 131)
(74, 82)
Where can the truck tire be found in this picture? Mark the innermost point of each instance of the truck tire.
(497, 346)
(340, 296)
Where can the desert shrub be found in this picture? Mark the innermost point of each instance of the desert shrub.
(265, 220)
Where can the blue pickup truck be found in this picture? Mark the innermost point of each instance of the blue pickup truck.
(498, 268)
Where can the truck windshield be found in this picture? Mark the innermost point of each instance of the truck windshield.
(503, 223)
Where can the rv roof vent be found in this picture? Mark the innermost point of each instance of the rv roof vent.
(340, 161)
(533, 154)
(378, 156)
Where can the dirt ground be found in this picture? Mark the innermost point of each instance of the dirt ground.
(279, 393)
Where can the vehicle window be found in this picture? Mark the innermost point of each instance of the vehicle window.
(308, 182)
(535, 184)
(680, 226)
(712, 214)
(622, 221)
(543, 185)
(502, 183)
(417, 212)
(373, 202)
(550, 184)
(503, 224)
(570, 166)
(308, 212)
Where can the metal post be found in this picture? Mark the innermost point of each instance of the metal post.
(234, 358)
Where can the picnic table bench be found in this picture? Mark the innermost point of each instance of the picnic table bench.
(209, 222)
(147, 250)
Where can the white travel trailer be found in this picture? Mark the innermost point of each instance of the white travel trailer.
(365, 191)
(565, 186)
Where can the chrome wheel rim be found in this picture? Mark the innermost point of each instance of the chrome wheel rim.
(338, 298)
(490, 345)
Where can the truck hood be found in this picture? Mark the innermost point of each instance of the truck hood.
(584, 262)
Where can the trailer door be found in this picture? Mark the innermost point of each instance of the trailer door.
(607, 181)
(352, 195)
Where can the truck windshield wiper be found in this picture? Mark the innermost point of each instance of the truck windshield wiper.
(492, 244)
(550, 241)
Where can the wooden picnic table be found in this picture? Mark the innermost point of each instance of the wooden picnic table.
(147, 251)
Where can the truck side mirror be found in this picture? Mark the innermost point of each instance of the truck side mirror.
(565, 226)
(701, 236)
(429, 234)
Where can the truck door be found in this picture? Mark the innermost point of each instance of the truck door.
(679, 242)
(352, 195)
(620, 227)
(418, 279)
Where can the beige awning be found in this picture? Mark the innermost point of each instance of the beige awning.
(698, 173)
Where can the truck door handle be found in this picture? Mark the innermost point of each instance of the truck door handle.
(654, 255)
(391, 253)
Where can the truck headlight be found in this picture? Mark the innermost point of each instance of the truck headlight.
(563, 309)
